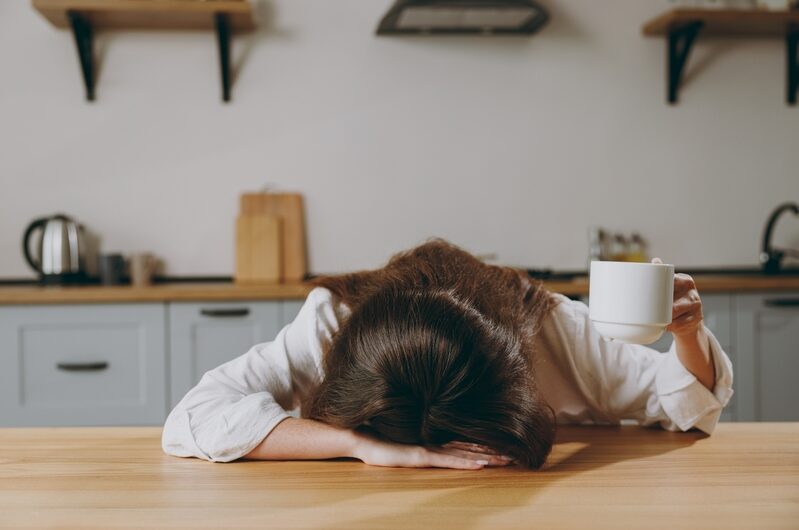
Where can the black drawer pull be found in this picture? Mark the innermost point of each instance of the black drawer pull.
(82, 367)
(226, 313)
(782, 302)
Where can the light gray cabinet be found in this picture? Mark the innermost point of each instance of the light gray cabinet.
(767, 338)
(289, 309)
(82, 365)
(128, 364)
(204, 335)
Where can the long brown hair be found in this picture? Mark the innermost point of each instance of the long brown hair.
(438, 347)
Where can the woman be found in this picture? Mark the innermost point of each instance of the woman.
(440, 360)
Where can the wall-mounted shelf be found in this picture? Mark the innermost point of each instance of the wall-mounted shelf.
(83, 17)
(682, 26)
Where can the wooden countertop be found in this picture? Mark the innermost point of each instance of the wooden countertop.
(706, 283)
(221, 292)
(745, 476)
(174, 292)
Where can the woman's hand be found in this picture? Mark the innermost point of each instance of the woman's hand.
(375, 451)
(686, 313)
(692, 343)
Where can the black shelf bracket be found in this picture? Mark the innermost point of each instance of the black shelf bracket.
(84, 39)
(792, 75)
(681, 39)
(223, 40)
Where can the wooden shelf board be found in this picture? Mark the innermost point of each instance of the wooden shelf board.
(149, 14)
(751, 22)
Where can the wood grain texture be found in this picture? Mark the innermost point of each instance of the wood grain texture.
(178, 292)
(289, 207)
(706, 283)
(745, 476)
(199, 292)
(149, 14)
(725, 21)
(259, 249)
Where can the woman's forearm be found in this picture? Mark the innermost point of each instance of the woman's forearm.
(301, 439)
(693, 350)
(304, 439)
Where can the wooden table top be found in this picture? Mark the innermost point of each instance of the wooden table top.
(745, 476)
(232, 292)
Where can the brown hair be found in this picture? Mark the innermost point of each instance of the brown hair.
(438, 347)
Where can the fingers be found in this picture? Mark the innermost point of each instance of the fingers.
(689, 304)
(471, 447)
(686, 322)
(488, 459)
(686, 313)
(682, 284)
(473, 450)
(440, 459)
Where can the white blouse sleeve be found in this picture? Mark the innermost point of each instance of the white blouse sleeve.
(627, 381)
(236, 405)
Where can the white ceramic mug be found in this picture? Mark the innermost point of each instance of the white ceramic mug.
(631, 302)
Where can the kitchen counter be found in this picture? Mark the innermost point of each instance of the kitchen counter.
(228, 291)
(168, 292)
(745, 476)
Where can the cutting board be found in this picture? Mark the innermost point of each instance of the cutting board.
(259, 248)
(289, 208)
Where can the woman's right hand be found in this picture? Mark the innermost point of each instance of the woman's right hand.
(455, 455)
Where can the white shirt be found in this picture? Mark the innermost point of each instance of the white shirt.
(584, 378)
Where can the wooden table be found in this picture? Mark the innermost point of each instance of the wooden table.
(744, 476)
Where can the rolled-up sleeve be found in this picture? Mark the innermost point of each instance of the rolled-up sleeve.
(633, 382)
(686, 401)
(236, 405)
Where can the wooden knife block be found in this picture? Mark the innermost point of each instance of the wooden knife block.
(270, 238)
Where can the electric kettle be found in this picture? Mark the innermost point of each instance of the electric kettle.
(59, 254)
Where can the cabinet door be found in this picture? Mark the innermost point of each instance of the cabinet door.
(289, 310)
(205, 335)
(768, 344)
(82, 365)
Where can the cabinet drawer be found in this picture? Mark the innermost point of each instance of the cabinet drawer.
(83, 365)
(205, 335)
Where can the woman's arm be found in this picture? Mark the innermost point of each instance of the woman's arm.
(304, 439)
(238, 410)
(234, 406)
(690, 339)
(629, 381)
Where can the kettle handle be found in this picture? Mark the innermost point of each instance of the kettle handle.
(37, 223)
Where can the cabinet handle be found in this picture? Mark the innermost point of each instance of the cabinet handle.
(226, 313)
(82, 367)
(782, 302)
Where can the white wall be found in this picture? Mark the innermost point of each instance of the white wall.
(506, 145)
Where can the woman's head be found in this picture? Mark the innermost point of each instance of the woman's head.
(437, 348)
